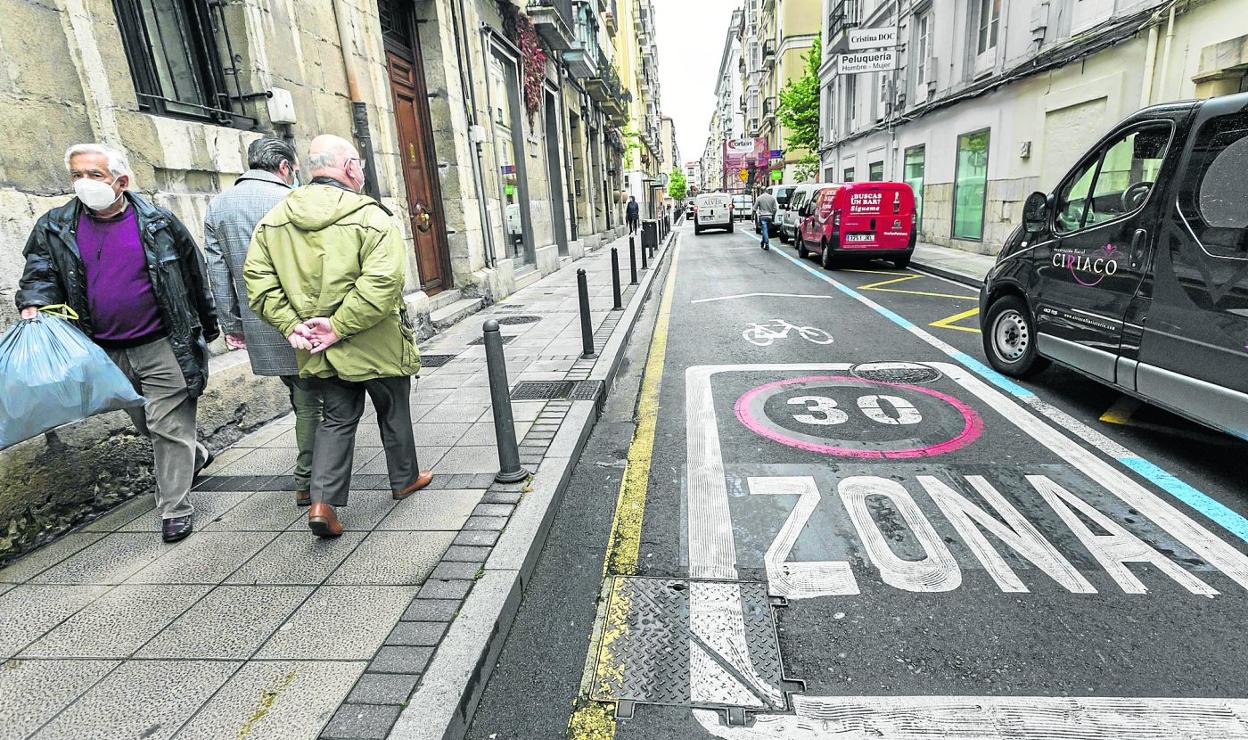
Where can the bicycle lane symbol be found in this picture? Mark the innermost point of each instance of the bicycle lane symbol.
(764, 334)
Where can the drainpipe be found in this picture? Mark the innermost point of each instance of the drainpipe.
(1150, 61)
(1165, 55)
(470, 111)
(359, 113)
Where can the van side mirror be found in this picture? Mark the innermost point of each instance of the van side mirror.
(1035, 212)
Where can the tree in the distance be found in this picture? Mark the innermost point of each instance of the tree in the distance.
(677, 186)
(799, 114)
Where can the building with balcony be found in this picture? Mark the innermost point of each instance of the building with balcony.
(786, 31)
(727, 120)
(637, 63)
(978, 104)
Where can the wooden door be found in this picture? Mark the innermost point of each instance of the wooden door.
(424, 200)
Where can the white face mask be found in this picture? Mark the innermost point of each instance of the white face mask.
(96, 195)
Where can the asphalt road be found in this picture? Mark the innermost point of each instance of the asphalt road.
(949, 554)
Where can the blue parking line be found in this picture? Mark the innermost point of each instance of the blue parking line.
(1225, 517)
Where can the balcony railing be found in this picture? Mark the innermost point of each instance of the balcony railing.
(846, 14)
(553, 20)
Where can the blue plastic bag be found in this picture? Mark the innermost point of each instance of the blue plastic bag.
(52, 374)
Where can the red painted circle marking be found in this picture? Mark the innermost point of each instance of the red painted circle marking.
(972, 428)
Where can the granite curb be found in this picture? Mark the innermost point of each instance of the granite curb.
(957, 277)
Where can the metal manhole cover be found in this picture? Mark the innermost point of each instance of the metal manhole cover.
(481, 340)
(513, 320)
(896, 372)
(689, 643)
(435, 360)
(542, 390)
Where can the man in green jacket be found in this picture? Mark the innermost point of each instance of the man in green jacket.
(326, 268)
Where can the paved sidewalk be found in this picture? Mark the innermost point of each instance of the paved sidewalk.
(254, 628)
(955, 264)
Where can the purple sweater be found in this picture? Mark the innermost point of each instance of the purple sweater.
(123, 305)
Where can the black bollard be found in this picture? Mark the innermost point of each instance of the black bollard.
(509, 470)
(615, 280)
(632, 260)
(587, 327)
(644, 254)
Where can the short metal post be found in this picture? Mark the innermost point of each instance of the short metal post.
(587, 328)
(644, 251)
(615, 280)
(509, 470)
(632, 260)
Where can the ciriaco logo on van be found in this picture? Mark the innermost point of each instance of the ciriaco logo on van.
(1088, 268)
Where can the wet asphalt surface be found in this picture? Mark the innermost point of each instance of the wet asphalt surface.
(971, 637)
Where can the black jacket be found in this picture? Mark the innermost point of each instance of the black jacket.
(54, 274)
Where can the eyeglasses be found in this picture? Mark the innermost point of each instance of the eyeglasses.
(354, 159)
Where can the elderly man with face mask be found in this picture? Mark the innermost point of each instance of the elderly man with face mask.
(326, 268)
(132, 273)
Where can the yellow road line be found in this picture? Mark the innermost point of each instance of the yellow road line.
(895, 280)
(948, 321)
(879, 272)
(928, 293)
(594, 720)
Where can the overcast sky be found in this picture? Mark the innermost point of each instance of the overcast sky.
(691, 40)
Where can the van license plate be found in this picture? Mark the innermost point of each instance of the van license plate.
(859, 237)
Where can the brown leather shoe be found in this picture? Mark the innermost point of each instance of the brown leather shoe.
(323, 521)
(303, 498)
(422, 480)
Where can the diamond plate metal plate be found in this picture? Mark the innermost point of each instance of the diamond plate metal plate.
(655, 627)
(541, 390)
(435, 360)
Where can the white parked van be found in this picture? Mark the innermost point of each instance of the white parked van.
(712, 211)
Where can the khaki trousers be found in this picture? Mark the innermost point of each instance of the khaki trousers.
(168, 420)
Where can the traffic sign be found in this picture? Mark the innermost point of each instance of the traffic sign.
(743, 175)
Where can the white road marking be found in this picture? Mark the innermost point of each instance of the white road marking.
(803, 579)
(758, 295)
(935, 572)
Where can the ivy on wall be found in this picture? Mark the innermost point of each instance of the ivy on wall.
(519, 30)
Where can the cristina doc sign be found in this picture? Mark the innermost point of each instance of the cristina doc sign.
(872, 38)
(857, 62)
(751, 156)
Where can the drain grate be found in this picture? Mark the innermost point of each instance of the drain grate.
(481, 340)
(514, 320)
(896, 372)
(689, 643)
(542, 390)
(435, 360)
(586, 390)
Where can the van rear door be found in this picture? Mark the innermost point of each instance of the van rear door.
(1193, 355)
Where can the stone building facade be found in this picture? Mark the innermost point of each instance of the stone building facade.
(989, 102)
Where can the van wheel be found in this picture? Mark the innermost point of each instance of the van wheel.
(802, 251)
(1010, 338)
(784, 239)
(827, 260)
(902, 262)
(697, 230)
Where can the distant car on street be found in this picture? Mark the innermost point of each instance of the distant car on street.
(691, 210)
(714, 211)
(1134, 270)
(781, 193)
(788, 221)
(859, 219)
(742, 206)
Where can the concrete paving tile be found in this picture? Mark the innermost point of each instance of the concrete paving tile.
(339, 623)
(110, 560)
(465, 554)
(438, 433)
(126, 512)
(482, 433)
(432, 396)
(231, 622)
(208, 506)
(481, 538)
(401, 659)
(420, 410)
(141, 699)
(278, 699)
(526, 410)
(296, 558)
(445, 589)
(503, 510)
(454, 411)
(470, 460)
(223, 458)
(361, 722)
(427, 457)
(364, 510)
(433, 510)
(431, 610)
(485, 522)
(393, 559)
(6, 587)
(116, 624)
(262, 461)
(33, 691)
(285, 439)
(456, 571)
(204, 557)
(266, 511)
(28, 612)
(383, 688)
(502, 497)
(32, 564)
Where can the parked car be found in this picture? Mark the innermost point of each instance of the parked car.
(742, 206)
(782, 193)
(859, 219)
(691, 209)
(1134, 270)
(714, 211)
(788, 221)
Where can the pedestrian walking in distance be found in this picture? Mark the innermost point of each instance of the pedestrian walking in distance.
(137, 281)
(632, 213)
(765, 209)
(228, 228)
(326, 268)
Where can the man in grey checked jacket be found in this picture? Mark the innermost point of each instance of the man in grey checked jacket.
(228, 226)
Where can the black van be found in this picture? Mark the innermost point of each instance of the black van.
(1134, 271)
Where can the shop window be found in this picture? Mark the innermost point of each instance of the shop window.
(970, 186)
(181, 57)
(913, 176)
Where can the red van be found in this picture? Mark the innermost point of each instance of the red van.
(859, 219)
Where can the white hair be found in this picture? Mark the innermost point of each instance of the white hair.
(118, 163)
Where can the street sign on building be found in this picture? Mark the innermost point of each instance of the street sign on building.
(857, 62)
(872, 38)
